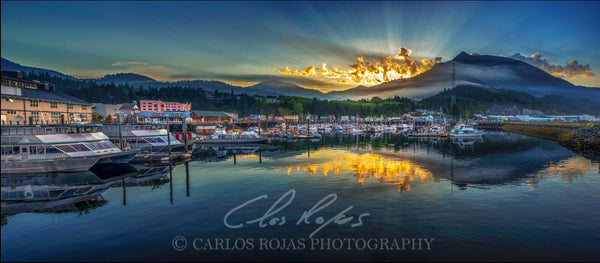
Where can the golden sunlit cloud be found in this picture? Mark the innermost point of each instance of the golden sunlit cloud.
(241, 83)
(364, 73)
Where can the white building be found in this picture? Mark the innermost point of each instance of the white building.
(107, 109)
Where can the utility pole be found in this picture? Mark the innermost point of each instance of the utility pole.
(120, 132)
(453, 96)
(168, 137)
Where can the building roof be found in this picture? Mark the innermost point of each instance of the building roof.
(45, 95)
(16, 76)
(126, 106)
(207, 113)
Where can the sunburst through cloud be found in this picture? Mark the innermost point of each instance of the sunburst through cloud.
(388, 68)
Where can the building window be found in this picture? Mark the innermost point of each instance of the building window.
(70, 106)
(12, 112)
(55, 116)
(83, 107)
(33, 103)
(35, 116)
(53, 105)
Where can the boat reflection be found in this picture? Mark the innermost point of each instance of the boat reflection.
(222, 151)
(75, 191)
(52, 192)
(143, 176)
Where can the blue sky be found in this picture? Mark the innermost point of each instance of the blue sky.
(242, 42)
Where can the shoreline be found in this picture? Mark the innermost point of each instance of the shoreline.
(581, 140)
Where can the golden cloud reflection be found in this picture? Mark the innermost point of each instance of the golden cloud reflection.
(364, 166)
(364, 73)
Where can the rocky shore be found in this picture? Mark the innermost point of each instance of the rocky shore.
(582, 140)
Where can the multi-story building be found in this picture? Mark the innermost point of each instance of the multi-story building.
(157, 105)
(27, 101)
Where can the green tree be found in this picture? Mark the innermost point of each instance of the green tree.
(96, 116)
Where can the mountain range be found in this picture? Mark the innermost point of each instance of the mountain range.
(8, 65)
(484, 71)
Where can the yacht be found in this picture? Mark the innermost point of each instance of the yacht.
(152, 140)
(57, 148)
(465, 130)
(147, 137)
(222, 137)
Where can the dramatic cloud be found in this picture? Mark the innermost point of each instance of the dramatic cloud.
(572, 70)
(365, 73)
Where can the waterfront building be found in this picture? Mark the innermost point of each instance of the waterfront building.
(200, 117)
(26, 101)
(290, 118)
(158, 105)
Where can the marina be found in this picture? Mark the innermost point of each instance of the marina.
(300, 131)
(421, 187)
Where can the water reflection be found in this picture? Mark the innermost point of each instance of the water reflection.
(499, 158)
(398, 173)
(568, 170)
(53, 192)
(77, 191)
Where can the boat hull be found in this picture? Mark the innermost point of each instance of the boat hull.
(470, 135)
(233, 141)
(428, 135)
(122, 157)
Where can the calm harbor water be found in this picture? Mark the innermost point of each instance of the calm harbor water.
(345, 197)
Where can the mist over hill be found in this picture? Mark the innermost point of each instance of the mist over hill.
(484, 71)
(492, 80)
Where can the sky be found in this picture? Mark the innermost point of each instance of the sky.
(246, 42)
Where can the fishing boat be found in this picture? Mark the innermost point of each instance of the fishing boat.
(57, 148)
(465, 130)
